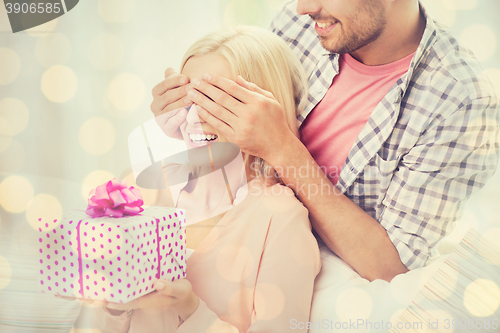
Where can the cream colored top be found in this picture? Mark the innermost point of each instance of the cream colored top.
(254, 272)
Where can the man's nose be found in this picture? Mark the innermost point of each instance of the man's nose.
(192, 116)
(308, 7)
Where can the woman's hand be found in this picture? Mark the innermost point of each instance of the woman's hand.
(177, 295)
(244, 113)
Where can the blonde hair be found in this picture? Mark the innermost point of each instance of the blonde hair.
(263, 58)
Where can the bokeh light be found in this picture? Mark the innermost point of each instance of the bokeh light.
(151, 197)
(242, 259)
(52, 49)
(93, 180)
(275, 202)
(10, 65)
(488, 205)
(59, 84)
(396, 317)
(220, 326)
(446, 14)
(85, 330)
(97, 136)
(274, 5)
(270, 299)
(5, 273)
(16, 192)
(450, 278)
(460, 4)
(126, 92)
(239, 12)
(354, 303)
(43, 29)
(46, 207)
(14, 116)
(12, 158)
(149, 56)
(116, 11)
(480, 39)
(105, 51)
(438, 318)
(490, 246)
(482, 298)
(5, 142)
(494, 76)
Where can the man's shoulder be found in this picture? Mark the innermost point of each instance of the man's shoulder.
(448, 62)
(289, 25)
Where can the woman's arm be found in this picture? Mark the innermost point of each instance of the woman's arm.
(288, 267)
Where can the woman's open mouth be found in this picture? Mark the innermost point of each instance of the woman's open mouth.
(198, 139)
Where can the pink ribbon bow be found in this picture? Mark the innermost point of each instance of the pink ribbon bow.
(114, 199)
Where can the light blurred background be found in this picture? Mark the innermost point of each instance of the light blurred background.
(73, 89)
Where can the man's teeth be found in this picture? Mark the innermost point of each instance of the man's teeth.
(324, 25)
(202, 137)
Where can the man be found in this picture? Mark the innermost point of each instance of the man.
(398, 117)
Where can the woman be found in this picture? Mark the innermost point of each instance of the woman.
(254, 264)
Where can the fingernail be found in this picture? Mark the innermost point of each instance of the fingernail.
(192, 94)
(187, 100)
(183, 80)
(159, 285)
(195, 82)
(207, 77)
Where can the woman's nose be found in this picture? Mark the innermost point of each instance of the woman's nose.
(192, 116)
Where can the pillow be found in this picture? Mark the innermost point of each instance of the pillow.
(23, 308)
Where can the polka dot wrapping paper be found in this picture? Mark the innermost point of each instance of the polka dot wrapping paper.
(111, 259)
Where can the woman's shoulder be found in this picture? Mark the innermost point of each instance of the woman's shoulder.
(277, 198)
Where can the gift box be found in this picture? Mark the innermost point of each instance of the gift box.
(112, 259)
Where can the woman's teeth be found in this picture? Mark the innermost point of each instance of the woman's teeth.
(202, 137)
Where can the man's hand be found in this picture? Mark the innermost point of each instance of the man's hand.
(244, 113)
(170, 101)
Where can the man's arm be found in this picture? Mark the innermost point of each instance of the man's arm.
(454, 156)
(251, 118)
(347, 230)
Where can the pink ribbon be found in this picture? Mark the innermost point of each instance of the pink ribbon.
(114, 199)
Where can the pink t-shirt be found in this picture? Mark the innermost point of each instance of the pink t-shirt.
(332, 127)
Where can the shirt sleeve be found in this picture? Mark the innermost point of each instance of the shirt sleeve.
(288, 267)
(451, 160)
(206, 320)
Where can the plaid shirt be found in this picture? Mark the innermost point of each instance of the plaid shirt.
(429, 144)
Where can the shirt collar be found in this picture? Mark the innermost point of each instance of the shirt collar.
(428, 39)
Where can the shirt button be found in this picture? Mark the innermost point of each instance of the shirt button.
(319, 88)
